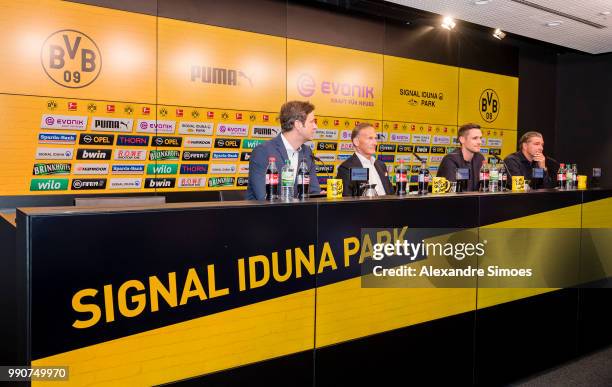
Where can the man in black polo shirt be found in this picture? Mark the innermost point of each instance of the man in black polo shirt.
(468, 156)
(530, 156)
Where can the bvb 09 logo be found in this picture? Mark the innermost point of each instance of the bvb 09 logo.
(71, 58)
(489, 105)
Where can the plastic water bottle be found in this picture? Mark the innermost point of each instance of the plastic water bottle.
(569, 178)
(303, 180)
(271, 179)
(574, 176)
(493, 178)
(287, 181)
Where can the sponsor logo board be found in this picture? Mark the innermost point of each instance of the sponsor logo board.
(225, 155)
(162, 169)
(196, 155)
(48, 184)
(220, 169)
(166, 141)
(226, 181)
(201, 128)
(192, 182)
(265, 131)
(90, 169)
(160, 182)
(251, 144)
(54, 153)
(125, 183)
(232, 130)
(194, 169)
(87, 184)
(441, 140)
(400, 137)
(327, 157)
(326, 134)
(155, 126)
(128, 140)
(96, 139)
(198, 142)
(101, 124)
(156, 155)
(128, 169)
(57, 138)
(51, 169)
(227, 143)
(242, 182)
(421, 138)
(130, 154)
(54, 121)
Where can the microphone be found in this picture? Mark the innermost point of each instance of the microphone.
(418, 157)
(507, 170)
(316, 159)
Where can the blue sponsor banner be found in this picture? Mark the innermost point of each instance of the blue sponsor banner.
(225, 155)
(194, 169)
(484, 151)
(343, 156)
(386, 158)
(57, 137)
(128, 169)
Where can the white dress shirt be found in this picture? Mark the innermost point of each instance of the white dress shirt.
(374, 178)
(293, 156)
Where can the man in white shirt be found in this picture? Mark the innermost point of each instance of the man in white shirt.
(364, 142)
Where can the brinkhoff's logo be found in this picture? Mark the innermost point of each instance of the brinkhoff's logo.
(71, 59)
(220, 76)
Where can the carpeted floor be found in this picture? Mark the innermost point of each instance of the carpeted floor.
(592, 370)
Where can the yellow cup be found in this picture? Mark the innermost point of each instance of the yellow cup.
(440, 185)
(518, 183)
(334, 188)
(582, 181)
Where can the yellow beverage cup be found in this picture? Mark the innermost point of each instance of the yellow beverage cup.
(518, 183)
(582, 181)
(440, 185)
(334, 188)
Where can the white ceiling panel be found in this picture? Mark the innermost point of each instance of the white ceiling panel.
(523, 17)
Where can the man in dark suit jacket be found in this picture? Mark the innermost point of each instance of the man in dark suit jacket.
(364, 142)
(297, 127)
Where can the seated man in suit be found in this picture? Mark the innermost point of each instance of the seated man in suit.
(529, 156)
(468, 156)
(364, 142)
(297, 127)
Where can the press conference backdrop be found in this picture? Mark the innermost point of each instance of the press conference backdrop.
(157, 104)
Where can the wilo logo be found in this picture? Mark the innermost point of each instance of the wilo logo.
(48, 184)
(71, 59)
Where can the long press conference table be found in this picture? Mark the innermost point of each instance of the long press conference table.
(246, 292)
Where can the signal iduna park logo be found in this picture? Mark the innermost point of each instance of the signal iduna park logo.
(71, 59)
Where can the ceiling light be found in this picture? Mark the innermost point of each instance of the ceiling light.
(448, 23)
(481, 2)
(554, 23)
(604, 13)
(499, 34)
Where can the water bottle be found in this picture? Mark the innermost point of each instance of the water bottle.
(271, 179)
(303, 180)
(561, 176)
(401, 179)
(574, 176)
(569, 179)
(503, 178)
(423, 178)
(493, 177)
(484, 178)
(287, 181)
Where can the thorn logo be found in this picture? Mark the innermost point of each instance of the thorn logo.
(306, 85)
(71, 59)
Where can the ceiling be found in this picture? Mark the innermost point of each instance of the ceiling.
(523, 17)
